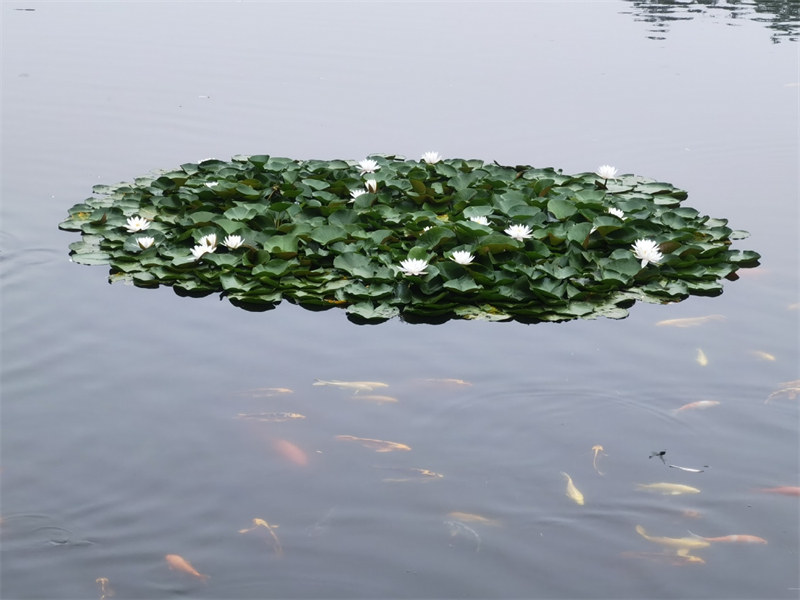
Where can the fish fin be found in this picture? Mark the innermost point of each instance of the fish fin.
(640, 530)
(694, 535)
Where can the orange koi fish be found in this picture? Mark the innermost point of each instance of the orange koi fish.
(177, 563)
(786, 490)
(290, 452)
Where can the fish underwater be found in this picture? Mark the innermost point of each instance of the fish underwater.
(785, 490)
(466, 517)
(764, 355)
(572, 492)
(788, 389)
(268, 392)
(733, 539)
(106, 591)
(699, 405)
(668, 489)
(690, 321)
(701, 359)
(682, 546)
(177, 563)
(290, 452)
(377, 399)
(271, 417)
(358, 386)
(597, 450)
(276, 542)
(457, 528)
(448, 382)
(377, 445)
(411, 474)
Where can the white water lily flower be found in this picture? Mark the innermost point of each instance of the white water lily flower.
(462, 257)
(137, 224)
(519, 232)
(371, 185)
(201, 249)
(647, 251)
(233, 241)
(413, 266)
(368, 166)
(145, 242)
(211, 184)
(431, 157)
(356, 193)
(209, 240)
(616, 212)
(479, 220)
(606, 172)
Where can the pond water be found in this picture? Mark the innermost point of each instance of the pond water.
(122, 440)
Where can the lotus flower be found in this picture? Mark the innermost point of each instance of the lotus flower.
(145, 242)
(371, 185)
(413, 266)
(368, 166)
(233, 241)
(355, 194)
(462, 257)
(201, 249)
(209, 240)
(137, 224)
(606, 172)
(616, 212)
(431, 157)
(647, 251)
(479, 220)
(519, 232)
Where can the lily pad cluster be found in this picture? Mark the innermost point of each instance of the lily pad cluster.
(426, 240)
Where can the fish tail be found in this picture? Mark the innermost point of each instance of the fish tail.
(640, 530)
(694, 535)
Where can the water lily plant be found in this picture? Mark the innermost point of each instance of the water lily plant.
(437, 238)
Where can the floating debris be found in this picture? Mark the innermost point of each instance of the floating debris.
(177, 563)
(271, 417)
(689, 321)
(377, 445)
(572, 492)
(668, 489)
(659, 454)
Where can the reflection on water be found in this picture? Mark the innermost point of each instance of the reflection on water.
(782, 17)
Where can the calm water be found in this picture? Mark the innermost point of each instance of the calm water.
(120, 442)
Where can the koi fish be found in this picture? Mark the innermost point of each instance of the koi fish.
(668, 489)
(691, 513)
(377, 445)
(472, 518)
(271, 417)
(572, 492)
(105, 589)
(276, 542)
(682, 545)
(687, 469)
(732, 539)
(597, 450)
(267, 392)
(358, 386)
(690, 321)
(414, 474)
(670, 559)
(457, 528)
(786, 490)
(790, 389)
(699, 405)
(177, 563)
(290, 452)
(701, 359)
(764, 355)
(448, 382)
(377, 399)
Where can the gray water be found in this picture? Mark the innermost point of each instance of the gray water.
(120, 437)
